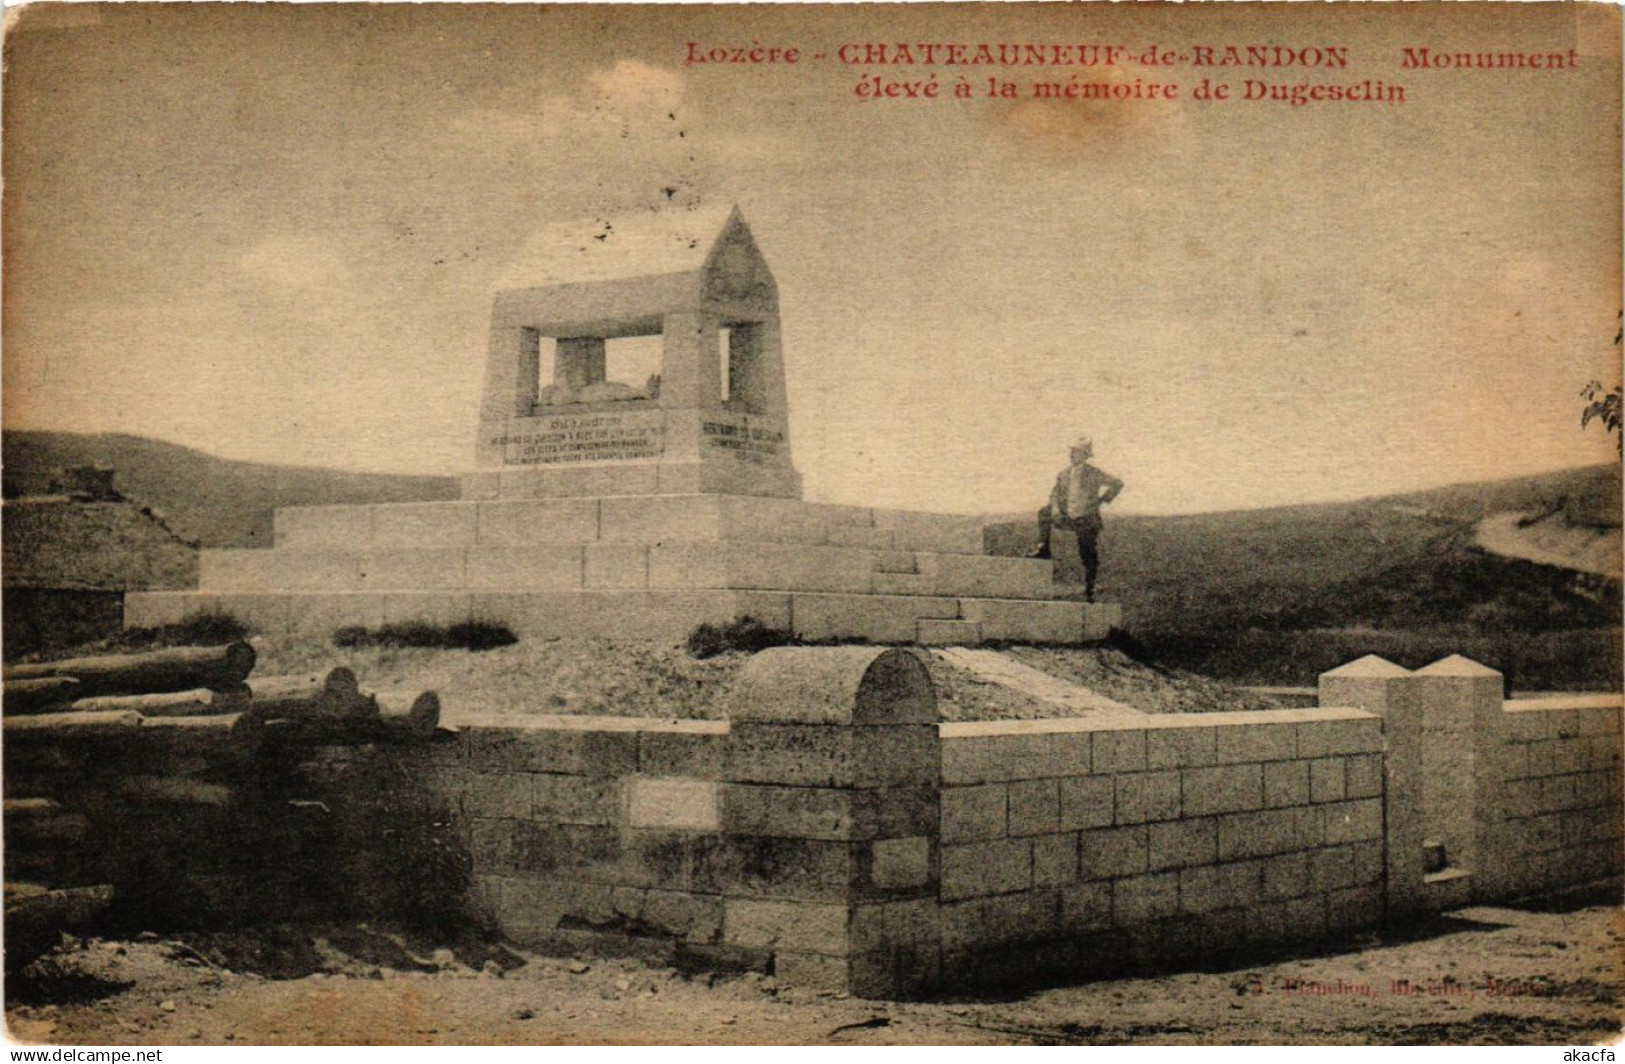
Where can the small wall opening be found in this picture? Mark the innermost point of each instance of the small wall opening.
(537, 354)
(740, 351)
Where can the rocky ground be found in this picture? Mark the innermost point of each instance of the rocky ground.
(1480, 976)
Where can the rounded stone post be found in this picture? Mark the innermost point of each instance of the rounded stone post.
(835, 768)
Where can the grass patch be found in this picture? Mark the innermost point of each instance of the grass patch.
(1586, 659)
(742, 633)
(204, 629)
(464, 635)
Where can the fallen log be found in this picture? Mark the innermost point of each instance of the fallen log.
(33, 863)
(170, 669)
(62, 827)
(70, 727)
(39, 696)
(315, 732)
(29, 808)
(233, 736)
(407, 716)
(201, 702)
(173, 790)
(71, 904)
(331, 696)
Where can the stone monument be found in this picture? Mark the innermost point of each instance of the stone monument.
(713, 420)
(636, 508)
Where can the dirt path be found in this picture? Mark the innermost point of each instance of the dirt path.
(1551, 540)
(1482, 976)
(993, 667)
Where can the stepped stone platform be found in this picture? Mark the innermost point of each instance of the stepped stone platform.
(634, 566)
(636, 509)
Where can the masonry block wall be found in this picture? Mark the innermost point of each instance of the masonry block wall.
(1093, 842)
(1486, 800)
(799, 837)
(605, 833)
(833, 832)
(1561, 811)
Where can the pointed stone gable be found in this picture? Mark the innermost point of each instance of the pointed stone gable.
(1369, 667)
(1457, 666)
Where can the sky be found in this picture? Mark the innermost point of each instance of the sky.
(273, 233)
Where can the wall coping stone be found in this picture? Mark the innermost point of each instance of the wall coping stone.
(567, 722)
(1548, 703)
(1147, 722)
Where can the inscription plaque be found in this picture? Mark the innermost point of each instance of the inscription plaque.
(568, 439)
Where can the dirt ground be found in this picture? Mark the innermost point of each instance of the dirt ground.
(1479, 976)
(640, 679)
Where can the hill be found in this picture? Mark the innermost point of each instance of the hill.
(1272, 595)
(1277, 595)
(214, 502)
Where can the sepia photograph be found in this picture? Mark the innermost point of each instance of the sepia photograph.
(984, 524)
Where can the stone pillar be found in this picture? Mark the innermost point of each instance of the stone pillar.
(578, 362)
(511, 368)
(1465, 761)
(690, 372)
(756, 366)
(1378, 686)
(1443, 773)
(512, 363)
(770, 373)
(832, 807)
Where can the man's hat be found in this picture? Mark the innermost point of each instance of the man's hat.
(1083, 443)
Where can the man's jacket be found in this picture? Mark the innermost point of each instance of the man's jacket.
(1075, 502)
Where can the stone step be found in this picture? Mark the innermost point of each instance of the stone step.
(634, 478)
(903, 583)
(903, 563)
(948, 633)
(720, 564)
(621, 519)
(988, 575)
(649, 614)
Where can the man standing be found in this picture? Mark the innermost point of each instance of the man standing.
(1074, 507)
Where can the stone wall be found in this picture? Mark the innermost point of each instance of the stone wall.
(797, 837)
(1562, 799)
(1180, 834)
(833, 832)
(595, 831)
(1487, 800)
